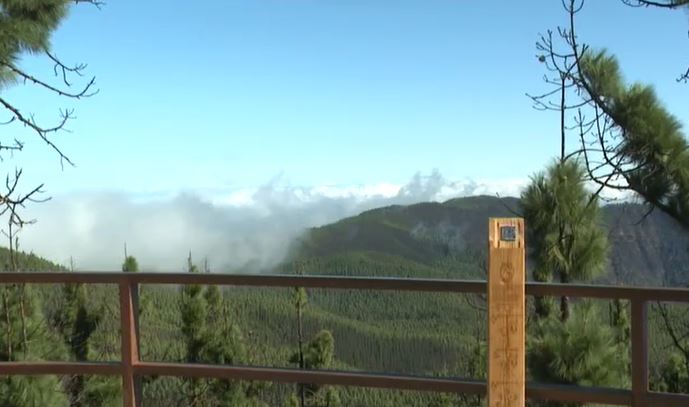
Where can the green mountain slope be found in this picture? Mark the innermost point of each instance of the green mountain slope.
(424, 233)
(650, 250)
(26, 261)
(413, 333)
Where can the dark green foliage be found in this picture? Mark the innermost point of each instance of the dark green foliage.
(22, 311)
(211, 337)
(24, 391)
(651, 139)
(567, 242)
(442, 400)
(619, 319)
(28, 261)
(674, 375)
(130, 265)
(651, 144)
(74, 321)
(562, 222)
(25, 336)
(292, 401)
(582, 350)
(25, 27)
(193, 317)
(76, 324)
(102, 391)
(318, 353)
(79, 319)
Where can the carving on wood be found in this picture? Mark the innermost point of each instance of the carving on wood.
(506, 272)
(506, 342)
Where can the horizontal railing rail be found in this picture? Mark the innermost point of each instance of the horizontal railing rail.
(340, 282)
(130, 367)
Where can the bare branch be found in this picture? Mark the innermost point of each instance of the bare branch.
(670, 4)
(43, 132)
(96, 3)
(11, 200)
(64, 69)
(83, 93)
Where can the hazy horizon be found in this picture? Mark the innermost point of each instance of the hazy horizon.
(230, 230)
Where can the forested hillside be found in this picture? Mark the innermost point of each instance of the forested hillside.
(414, 333)
(646, 249)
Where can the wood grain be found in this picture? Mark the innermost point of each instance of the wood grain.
(506, 314)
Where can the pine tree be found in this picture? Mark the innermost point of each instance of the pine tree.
(581, 351)
(563, 231)
(568, 243)
(300, 300)
(24, 335)
(223, 344)
(130, 265)
(76, 324)
(628, 140)
(318, 353)
(194, 313)
(210, 337)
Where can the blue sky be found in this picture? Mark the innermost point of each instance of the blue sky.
(228, 127)
(222, 95)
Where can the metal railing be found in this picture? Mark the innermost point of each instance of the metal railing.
(131, 367)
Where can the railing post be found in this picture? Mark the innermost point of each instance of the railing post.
(129, 311)
(639, 353)
(506, 311)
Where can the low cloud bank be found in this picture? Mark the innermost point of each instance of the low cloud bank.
(233, 230)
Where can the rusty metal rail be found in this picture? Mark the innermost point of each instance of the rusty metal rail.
(131, 368)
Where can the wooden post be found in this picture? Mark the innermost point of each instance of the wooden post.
(639, 353)
(506, 313)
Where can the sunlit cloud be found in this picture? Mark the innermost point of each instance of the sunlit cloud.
(246, 228)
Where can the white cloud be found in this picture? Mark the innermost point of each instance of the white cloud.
(232, 229)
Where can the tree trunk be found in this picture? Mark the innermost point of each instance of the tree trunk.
(300, 337)
(564, 300)
(564, 308)
(75, 389)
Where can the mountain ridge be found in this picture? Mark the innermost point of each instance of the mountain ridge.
(645, 250)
